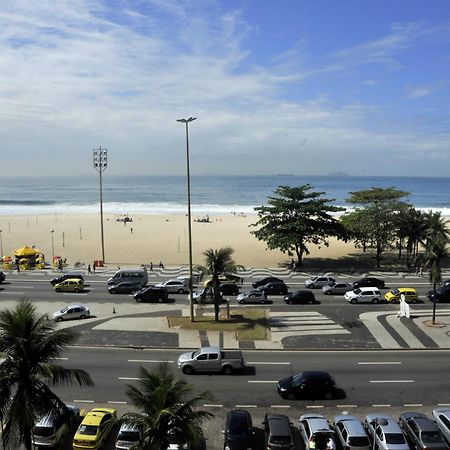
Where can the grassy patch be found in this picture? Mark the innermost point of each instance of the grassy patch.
(247, 324)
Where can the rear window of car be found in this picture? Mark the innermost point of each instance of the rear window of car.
(358, 441)
(280, 440)
(43, 431)
(129, 436)
(431, 436)
(394, 438)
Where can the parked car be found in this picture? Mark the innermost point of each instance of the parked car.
(421, 432)
(274, 288)
(277, 432)
(151, 294)
(442, 294)
(314, 427)
(299, 297)
(126, 287)
(70, 285)
(385, 432)
(442, 418)
(94, 429)
(127, 436)
(369, 282)
(253, 296)
(71, 312)
(174, 286)
(66, 276)
(309, 384)
(2, 277)
(229, 289)
(394, 295)
(204, 296)
(338, 288)
(50, 429)
(350, 433)
(364, 294)
(238, 431)
(264, 281)
(319, 281)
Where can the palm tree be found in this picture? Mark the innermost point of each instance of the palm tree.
(30, 345)
(168, 410)
(218, 262)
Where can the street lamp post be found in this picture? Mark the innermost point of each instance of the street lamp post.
(53, 244)
(1, 244)
(191, 304)
(100, 162)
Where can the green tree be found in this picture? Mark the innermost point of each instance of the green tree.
(169, 408)
(295, 218)
(218, 262)
(30, 345)
(378, 210)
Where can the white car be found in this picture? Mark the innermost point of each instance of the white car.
(315, 426)
(364, 294)
(72, 312)
(442, 418)
(319, 281)
(253, 296)
(175, 286)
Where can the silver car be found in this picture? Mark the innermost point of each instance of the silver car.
(253, 296)
(442, 418)
(319, 281)
(385, 432)
(315, 427)
(338, 288)
(350, 433)
(72, 312)
(175, 286)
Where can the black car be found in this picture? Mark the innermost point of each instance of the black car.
(229, 289)
(277, 432)
(266, 280)
(369, 282)
(65, 277)
(300, 297)
(421, 432)
(311, 385)
(2, 277)
(274, 288)
(442, 294)
(238, 430)
(126, 287)
(151, 294)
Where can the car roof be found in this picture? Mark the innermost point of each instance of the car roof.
(95, 416)
(352, 424)
(425, 424)
(279, 424)
(369, 288)
(316, 423)
(77, 305)
(238, 413)
(387, 423)
(314, 374)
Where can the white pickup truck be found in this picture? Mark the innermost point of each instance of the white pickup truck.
(211, 359)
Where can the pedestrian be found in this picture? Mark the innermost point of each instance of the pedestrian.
(93, 268)
(131, 230)
(161, 265)
(89, 269)
(312, 443)
(151, 266)
(18, 267)
(330, 444)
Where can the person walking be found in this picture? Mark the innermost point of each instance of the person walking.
(151, 266)
(89, 269)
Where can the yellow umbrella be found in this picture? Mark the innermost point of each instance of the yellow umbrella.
(26, 251)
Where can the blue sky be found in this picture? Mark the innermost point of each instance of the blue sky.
(286, 86)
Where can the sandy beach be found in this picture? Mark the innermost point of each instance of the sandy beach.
(146, 239)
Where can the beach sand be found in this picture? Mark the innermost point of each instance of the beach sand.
(146, 239)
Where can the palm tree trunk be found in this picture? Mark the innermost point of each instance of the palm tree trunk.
(434, 304)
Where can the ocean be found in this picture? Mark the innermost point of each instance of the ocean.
(213, 195)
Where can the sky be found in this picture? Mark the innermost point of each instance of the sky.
(305, 87)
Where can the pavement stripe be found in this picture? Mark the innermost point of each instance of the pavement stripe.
(267, 363)
(261, 381)
(111, 402)
(405, 334)
(129, 379)
(83, 401)
(206, 405)
(381, 406)
(246, 406)
(280, 406)
(391, 381)
(379, 362)
(150, 361)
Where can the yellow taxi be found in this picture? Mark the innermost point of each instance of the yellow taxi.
(224, 278)
(94, 429)
(394, 295)
(70, 285)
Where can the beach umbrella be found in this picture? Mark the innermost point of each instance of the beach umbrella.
(26, 251)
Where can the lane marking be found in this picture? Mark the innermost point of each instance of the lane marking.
(62, 359)
(207, 405)
(314, 406)
(83, 401)
(246, 406)
(412, 405)
(150, 361)
(443, 404)
(14, 292)
(268, 363)
(381, 406)
(378, 362)
(261, 381)
(280, 406)
(74, 293)
(129, 378)
(116, 403)
(347, 406)
(391, 381)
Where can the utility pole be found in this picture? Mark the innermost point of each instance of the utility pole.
(100, 162)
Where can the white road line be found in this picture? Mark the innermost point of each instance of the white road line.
(391, 381)
(207, 405)
(62, 359)
(267, 363)
(314, 406)
(129, 378)
(381, 406)
(74, 293)
(443, 404)
(347, 406)
(246, 406)
(378, 362)
(116, 403)
(280, 406)
(261, 381)
(83, 401)
(14, 292)
(412, 405)
(150, 361)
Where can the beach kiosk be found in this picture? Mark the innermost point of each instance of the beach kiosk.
(29, 258)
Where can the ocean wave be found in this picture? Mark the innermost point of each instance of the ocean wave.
(13, 203)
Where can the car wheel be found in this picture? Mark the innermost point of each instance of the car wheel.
(262, 301)
(82, 316)
(112, 291)
(138, 300)
(289, 302)
(76, 290)
(188, 370)
(328, 395)
(375, 301)
(311, 301)
(227, 370)
(291, 396)
(353, 301)
(59, 319)
(58, 290)
(181, 291)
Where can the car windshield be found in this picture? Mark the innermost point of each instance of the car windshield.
(394, 438)
(64, 309)
(90, 430)
(297, 379)
(130, 436)
(43, 431)
(431, 437)
(238, 428)
(395, 291)
(357, 291)
(280, 440)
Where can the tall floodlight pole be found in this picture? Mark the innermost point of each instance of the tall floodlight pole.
(191, 304)
(1, 244)
(100, 162)
(53, 244)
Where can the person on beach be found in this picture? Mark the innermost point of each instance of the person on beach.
(151, 266)
(161, 265)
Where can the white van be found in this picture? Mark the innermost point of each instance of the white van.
(135, 275)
